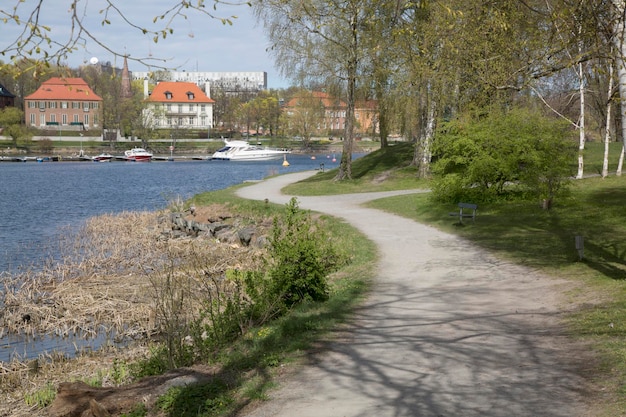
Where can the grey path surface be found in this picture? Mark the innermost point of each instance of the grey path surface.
(448, 331)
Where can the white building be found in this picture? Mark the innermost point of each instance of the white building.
(228, 81)
(180, 105)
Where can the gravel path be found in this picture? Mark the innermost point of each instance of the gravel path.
(448, 331)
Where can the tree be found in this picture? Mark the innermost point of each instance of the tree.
(34, 39)
(11, 123)
(320, 40)
(306, 117)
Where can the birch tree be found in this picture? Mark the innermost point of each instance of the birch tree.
(317, 40)
(619, 32)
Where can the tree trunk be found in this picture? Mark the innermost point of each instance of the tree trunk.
(581, 122)
(620, 62)
(345, 166)
(607, 134)
(427, 140)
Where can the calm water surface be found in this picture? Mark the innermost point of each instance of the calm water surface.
(39, 200)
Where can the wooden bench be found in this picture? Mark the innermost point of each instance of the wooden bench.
(467, 207)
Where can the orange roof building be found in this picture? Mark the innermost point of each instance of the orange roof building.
(64, 102)
(365, 113)
(179, 105)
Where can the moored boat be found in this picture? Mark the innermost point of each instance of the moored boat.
(138, 155)
(241, 150)
(103, 157)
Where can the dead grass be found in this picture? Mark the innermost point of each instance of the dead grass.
(108, 281)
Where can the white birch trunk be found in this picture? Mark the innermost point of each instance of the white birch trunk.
(620, 62)
(581, 121)
(607, 133)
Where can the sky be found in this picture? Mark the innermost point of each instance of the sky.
(199, 43)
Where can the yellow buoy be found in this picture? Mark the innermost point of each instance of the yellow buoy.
(285, 163)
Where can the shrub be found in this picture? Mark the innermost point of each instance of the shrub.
(301, 256)
(479, 158)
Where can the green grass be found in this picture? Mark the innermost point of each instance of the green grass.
(248, 367)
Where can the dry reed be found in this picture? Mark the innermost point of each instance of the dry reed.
(108, 280)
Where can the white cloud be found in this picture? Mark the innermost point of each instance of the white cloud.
(198, 42)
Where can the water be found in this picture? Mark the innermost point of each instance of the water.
(40, 200)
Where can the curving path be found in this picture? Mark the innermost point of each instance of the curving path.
(448, 331)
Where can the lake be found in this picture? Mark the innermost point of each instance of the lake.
(39, 200)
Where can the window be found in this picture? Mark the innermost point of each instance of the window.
(42, 119)
(52, 104)
(190, 95)
(203, 107)
(96, 119)
(180, 108)
(53, 118)
(86, 120)
(32, 119)
(169, 107)
(75, 105)
(168, 95)
(76, 119)
(32, 104)
(64, 104)
(192, 107)
(64, 119)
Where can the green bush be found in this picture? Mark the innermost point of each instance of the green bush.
(301, 257)
(501, 155)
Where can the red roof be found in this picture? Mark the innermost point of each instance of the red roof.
(64, 89)
(326, 100)
(179, 92)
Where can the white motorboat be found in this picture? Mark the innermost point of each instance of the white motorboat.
(138, 155)
(241, 150)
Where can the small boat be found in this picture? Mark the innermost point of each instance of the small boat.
(103, 157)
(241, 150)
(138, 155)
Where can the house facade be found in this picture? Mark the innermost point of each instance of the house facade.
(180, 105)
(67, 102)
(7, 99)
(335, 110)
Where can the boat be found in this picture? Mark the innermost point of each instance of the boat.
(241, 150)
(103, 157)
(138, 155)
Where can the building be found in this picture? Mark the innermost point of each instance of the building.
(365, 114)
(229, 82)
(67, 102)
(179, 105)
(6, 98)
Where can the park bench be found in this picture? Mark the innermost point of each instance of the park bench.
(467, 207)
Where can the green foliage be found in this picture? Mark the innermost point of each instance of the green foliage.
(197, 400)
(301, 256)
(138, 410)
(43, 397)
(478, 158)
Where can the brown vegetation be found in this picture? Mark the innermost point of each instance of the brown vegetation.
(111, 281)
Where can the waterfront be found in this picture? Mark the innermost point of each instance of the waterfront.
(40, 201)
(37, 200)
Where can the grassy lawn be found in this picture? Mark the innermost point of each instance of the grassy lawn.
(526, 234)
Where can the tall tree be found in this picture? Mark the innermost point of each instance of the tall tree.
(320, 40)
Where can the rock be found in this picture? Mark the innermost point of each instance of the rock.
(245, 235)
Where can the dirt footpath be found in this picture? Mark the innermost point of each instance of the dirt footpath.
(448, 331)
